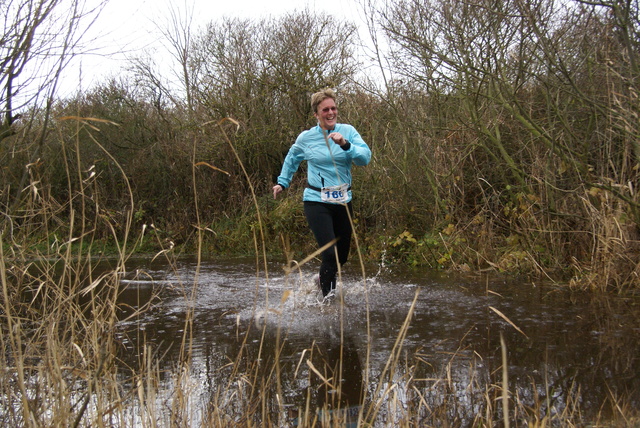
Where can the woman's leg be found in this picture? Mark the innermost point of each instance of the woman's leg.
(320, 219)
(328, 222)
(343, 230)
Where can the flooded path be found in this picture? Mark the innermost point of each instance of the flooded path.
(569, 355)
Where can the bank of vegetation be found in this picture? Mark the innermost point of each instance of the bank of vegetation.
(504, 134)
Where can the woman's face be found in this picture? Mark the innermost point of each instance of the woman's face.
(327, 114)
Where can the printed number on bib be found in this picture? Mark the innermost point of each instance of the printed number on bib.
(335, 194)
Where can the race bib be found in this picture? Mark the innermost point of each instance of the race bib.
(335, 194)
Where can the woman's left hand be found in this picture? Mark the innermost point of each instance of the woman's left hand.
(338, 138)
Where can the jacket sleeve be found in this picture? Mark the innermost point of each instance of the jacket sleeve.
(359, 151)
(295, 156)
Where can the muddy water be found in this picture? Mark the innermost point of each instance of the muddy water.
(567, 353)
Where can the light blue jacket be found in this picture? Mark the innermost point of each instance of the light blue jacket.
(324, 168)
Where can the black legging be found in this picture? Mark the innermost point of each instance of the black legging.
(328, 222)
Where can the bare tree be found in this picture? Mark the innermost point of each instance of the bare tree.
(179, 36)
(169, 81)
(303, 52)
(39, 38)
(226, 66)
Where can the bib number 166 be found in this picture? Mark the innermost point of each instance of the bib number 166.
(335, 194)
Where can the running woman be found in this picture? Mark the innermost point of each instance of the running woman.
(330, 148)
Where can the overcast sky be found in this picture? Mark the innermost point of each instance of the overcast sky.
(127, 28)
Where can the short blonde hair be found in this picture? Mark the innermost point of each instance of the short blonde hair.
(319, 97)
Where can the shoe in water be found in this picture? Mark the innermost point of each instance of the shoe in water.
(330, 297)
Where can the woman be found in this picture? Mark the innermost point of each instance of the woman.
(329, 149)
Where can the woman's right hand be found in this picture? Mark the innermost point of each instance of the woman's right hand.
(276, 190)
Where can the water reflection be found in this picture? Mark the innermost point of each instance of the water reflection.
(265, 347)
(337, 381)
